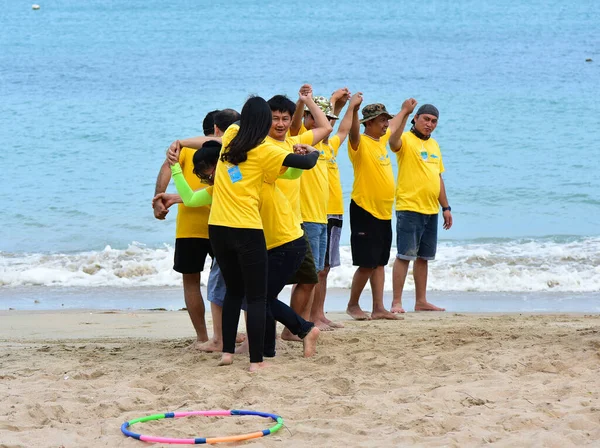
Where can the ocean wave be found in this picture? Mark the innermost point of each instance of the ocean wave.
(551, 264)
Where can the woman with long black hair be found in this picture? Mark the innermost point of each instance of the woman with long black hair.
(235, 225)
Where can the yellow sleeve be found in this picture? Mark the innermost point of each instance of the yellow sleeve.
(229, 134)
(306, 138)
(335, 143)
(272, 158)
(387, 136)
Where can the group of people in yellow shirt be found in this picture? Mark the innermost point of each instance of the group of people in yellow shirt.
(261, 193)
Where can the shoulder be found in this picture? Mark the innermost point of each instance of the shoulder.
(185, 154)
(229, 134)
(335, 141)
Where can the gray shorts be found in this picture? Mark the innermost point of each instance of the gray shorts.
(416, 235)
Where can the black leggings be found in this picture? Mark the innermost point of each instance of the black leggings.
(242, 257)
(283, 262)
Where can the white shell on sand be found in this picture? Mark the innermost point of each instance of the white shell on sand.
(35, 6)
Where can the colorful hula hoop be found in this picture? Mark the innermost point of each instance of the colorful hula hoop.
(200, 440)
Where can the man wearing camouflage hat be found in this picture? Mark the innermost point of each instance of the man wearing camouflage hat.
(419, 194)
(315, 200)
(372, 201)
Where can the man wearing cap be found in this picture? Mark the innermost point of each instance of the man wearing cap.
(372, 201)
(420, 192)
(315, 200)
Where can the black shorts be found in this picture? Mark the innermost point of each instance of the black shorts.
(190, 254)
(370, 239)
(307, 272)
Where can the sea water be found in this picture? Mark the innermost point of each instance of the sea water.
(92, 93)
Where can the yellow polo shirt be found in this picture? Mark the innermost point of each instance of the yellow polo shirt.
(192, 222)
(373, 188)
(419, 167)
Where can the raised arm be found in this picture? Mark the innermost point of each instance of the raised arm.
(355, 127)
(322, 126)
(299, 112)
(398, 123)
(189, 197)
(196, 142)
(338, 100)
(346, 123)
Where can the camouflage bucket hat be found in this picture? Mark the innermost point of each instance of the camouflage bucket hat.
(371, 111)
(325, 105)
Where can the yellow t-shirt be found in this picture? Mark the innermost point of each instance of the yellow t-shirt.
(314, 189)
(280, 223)
(419, 167)
(335, 205)
(192, 222)
(237, 187)
(291, 187)
(373, 188)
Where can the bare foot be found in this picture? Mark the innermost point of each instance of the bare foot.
(332, 324)
(397, 309)
(254, 366)
(322, 325)
(209, 346)
(310, 342)
(428, 307)
(356, 313)
(196, 345)
(239, 338)
(242, 348)
(226, 359)
(287, 335)
(385, 314)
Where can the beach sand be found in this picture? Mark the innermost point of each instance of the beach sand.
(71, 378)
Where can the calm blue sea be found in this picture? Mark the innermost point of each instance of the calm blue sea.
(92, 93)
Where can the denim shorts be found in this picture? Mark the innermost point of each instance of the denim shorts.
(215, 287)
(416, 235)
(317, 238)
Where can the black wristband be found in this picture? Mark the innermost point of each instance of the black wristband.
(446, 209)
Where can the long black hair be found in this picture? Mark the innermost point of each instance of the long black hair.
(255, 123)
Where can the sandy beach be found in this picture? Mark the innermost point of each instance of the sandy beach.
(71, 378)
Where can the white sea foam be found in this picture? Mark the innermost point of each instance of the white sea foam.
(499, 266)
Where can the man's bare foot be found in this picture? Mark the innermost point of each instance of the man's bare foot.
(333, 324)
(226, 359)
(323, 326)
(195, 346)
(428, 307)
(385, 314)
(356, 313)
(241, 349)
(287, 335)
(397, 309)
(239, 338)
(209, 346)
(254, 366)
(310, 342)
